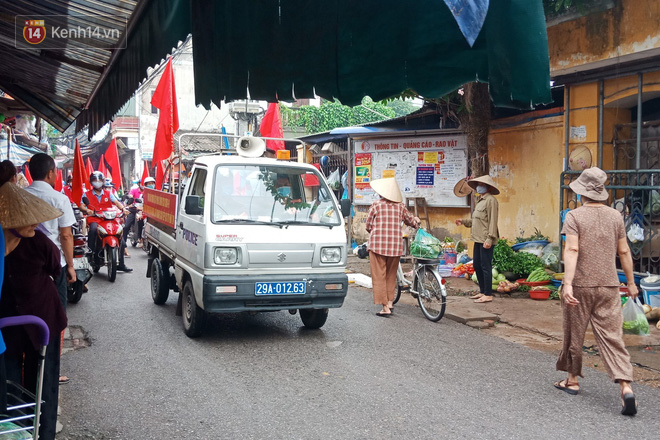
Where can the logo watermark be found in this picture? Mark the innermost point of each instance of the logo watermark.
(65, 31)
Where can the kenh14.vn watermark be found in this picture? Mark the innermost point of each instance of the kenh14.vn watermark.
(62, 31)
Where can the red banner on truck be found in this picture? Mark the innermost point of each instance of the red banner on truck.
(160, 206)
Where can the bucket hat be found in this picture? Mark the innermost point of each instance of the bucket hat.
(462, 189)
(19, 208)
(387, 188)
(591, 183)
(487, 180)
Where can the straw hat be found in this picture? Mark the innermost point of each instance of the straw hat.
(388, 189)
(19, 208)
(487, 180)
(462, 189)
(591, 183)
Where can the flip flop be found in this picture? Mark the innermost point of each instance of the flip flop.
(566, 386)
(383, 314)
(483, 299)
(477, 296)
(629, 406)
(64, 379)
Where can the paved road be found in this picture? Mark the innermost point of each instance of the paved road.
(360, 377)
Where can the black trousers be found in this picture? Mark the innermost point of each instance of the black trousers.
(94, 242)
(17, 366)
(482, 259)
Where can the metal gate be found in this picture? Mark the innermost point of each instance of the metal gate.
(636, 194)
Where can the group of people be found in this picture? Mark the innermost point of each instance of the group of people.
(595, 236)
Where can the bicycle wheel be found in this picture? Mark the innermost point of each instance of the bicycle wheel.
(432, 295)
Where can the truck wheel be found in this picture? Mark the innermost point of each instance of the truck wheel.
(111, 262)
(74, 292)
(313, 318)
(159, 282)
(193, 316)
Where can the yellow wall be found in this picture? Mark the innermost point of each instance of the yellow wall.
(630, 27)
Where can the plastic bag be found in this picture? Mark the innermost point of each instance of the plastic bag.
(634, 320)
(425, 245)
(334, 181)
(550, 257)
(635, 233)
(653, 206)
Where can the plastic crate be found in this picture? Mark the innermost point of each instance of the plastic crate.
(651, 297)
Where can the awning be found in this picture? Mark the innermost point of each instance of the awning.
(347, 49)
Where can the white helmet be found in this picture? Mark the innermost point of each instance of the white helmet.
(149, 179)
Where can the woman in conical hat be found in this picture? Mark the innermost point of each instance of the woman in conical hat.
(32, 262)
(484, 234)
(385, 240)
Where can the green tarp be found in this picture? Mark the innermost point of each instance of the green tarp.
(347, 49)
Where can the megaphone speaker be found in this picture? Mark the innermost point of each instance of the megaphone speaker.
(249, 146)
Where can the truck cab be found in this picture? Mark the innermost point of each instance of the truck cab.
(252, 234)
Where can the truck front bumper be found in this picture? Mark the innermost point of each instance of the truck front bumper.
(317, 295)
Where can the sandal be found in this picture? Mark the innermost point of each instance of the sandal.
(477, 296)
(64, 379)
(566, 386)
(484, 299)
(628, 404)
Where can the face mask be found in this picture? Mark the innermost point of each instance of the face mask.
(482, 189)
(97, 185)
(284, 191)
(152, 186)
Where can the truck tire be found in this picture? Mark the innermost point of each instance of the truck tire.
(193, 316)
(160, 280)
(313, 318)
(74, 292)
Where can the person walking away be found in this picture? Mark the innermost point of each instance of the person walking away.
(385, 240)
(595, 235)
(32, 262)
(44, 176)
(484, 234)
(98, 199)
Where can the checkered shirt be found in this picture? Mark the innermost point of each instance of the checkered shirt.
(384, 224)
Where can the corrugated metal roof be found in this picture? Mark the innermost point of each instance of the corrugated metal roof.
(56, 83)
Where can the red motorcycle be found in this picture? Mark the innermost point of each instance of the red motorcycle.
(108, 243)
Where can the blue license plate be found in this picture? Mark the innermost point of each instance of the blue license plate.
(284, 288)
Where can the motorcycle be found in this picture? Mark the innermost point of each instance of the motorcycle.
(108, 243)
(80, 262)
(135, 208)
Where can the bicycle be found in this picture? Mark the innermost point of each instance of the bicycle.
(427, 286)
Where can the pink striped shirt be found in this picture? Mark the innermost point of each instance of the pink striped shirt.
(384, 224)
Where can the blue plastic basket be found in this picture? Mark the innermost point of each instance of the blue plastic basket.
(556, 283)
(516, 247)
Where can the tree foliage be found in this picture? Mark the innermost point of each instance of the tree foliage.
(334, 114)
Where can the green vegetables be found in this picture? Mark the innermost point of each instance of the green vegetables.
(639, 326)
(537, 275)
(537, 236)
(521, 263)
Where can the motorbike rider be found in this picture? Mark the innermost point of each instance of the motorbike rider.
(135, 213)
(99, 199)
(108, 185)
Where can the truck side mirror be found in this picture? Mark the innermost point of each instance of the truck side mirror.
(193, 205)
(345, 207)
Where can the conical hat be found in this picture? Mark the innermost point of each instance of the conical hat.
(486, 179)
(462, 189)
(19, 208)
(387, 188)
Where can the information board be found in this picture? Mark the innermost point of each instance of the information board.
(424, 166)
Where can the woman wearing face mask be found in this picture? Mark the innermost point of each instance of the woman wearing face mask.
(484, 234)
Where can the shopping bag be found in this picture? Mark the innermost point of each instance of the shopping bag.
(634, 320)
(425, 245)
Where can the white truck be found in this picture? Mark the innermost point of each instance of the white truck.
(250, 234)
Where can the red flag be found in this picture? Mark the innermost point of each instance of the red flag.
(160, 174)
(26, 172)
(271, 126)
(58, 182)
(164, 99)
(90, 168)
(102, 168)
(145, 173)
(78, 175)
(112, 157)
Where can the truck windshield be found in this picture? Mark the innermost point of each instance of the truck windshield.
(274, 193)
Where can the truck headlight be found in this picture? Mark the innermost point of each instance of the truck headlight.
(225, 255)
(330, 255)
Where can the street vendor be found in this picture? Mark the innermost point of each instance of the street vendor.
(484, 234)
(385, 243)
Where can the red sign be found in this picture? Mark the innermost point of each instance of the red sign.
(160, 206)
(34, 31)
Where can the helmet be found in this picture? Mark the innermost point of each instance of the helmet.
(108, 182)
(96, 175)
(149, 179)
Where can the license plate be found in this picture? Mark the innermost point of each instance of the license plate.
(284, 288)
